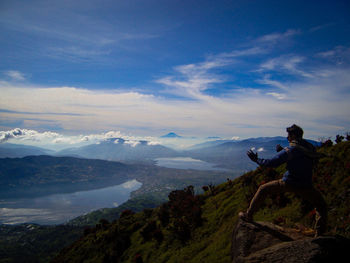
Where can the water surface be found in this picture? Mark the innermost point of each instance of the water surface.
(59, 208)
(187, 163)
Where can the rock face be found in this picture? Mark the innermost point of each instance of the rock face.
(254, 242)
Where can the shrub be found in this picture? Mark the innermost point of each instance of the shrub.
(339, 138)
(327, 143)
(151, 230)
(126, 213)
(347, 135)
(164, 214)
(184, 211)
(147, 231)
(147, 212)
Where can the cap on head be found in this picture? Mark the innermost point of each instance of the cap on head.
(295, 130)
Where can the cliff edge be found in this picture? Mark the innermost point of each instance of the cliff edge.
(254, 242)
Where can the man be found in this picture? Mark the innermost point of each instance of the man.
(299, 157)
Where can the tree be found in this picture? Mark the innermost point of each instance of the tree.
(339, 138)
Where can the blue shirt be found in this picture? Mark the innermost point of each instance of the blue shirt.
(299, 165)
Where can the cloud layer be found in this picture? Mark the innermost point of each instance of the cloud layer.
(54, 140)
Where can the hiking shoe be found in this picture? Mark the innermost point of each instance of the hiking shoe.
(244, 216)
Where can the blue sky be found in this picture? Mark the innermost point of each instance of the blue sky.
(198, 68)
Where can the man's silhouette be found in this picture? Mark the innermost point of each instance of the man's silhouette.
(299, 156)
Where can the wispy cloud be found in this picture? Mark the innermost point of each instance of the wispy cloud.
(15, 75)
(256, 50)
(77, 53)
(287, 64)
(339, 55)
(71, 31)
(274, 38)
(321, 27)
(279, 96)
(192, 80)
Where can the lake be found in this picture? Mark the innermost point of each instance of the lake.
(187, 163)
(59, 208)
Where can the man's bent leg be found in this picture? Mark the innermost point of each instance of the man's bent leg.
(273, 187)
(316, 199)
(321, 215)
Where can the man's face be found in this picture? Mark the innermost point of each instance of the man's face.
(290, 137)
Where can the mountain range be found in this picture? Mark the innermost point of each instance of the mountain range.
(232, 154)
(19, 150)
(229, 154)
(117, 149)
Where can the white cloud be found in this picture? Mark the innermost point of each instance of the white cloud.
(77, 53)
(287, 64)
(15, 75)
(153, 143)
(242, 53)
(25, 134)
(278, 96)
(132, 143)
(131, 184)
(55, 140)
(192, 79)
(278, 37)
(274, 83)
(339, 55)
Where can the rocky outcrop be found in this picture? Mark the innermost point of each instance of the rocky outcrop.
(254, 242)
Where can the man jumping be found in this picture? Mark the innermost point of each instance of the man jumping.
(299, 157)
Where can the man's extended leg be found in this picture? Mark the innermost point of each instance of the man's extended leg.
(273, 187)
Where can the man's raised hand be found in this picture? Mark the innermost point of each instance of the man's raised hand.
(253, 156)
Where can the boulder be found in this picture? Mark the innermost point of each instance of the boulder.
(266, 242)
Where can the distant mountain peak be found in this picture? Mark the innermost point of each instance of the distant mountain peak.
(171, 135)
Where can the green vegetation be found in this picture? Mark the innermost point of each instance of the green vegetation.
(201, 231)
(136, 204)
(33, 243)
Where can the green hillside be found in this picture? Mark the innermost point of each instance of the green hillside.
(198, 228)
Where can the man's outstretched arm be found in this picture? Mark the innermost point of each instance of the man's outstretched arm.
(276, 161)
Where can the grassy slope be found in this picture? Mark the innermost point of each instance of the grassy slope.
(211, 242)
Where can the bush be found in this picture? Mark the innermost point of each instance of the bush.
(151, 230)
(126, 213)
(184, 211)
(339, 138)
(164, 214)
(327, 143)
